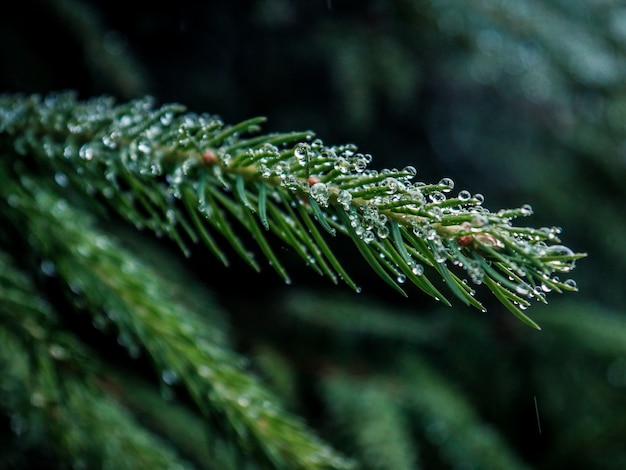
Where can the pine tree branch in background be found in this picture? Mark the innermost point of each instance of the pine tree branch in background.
(189, 176)
(120, 292)
(59, 401)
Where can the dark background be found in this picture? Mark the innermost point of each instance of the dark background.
(525, 103)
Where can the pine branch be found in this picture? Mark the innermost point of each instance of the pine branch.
(123, 294)
(375, 420)
(451, 421)
(190, 177)
(49, 388)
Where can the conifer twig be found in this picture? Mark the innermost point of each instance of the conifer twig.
(127, 297)
(191, 177)
(51, 389)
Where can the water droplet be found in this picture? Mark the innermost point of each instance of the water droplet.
(58, 352)
(382, 232)
(479, 198)
(342, 165)
(319, 192)
(522, 290)
(281, 168)
(301, 152)
(243, 401)
(167, 118)
(401, 278)
(558, 250)
(13, 200)
(76, 286)
(368, 236)
(417, 269)
(170, 214)
(526, 210)
(571, 283)
(169, 377)
(392, 185)
(447, 182)
(48, 268)
(479, 221)
(344, 198)
(37, 399)
(317, 144)
(143, 146)
(265, 171)
(464, 195)
(61, 179)
(360, 164)
(110, 140)
(86, 152)
(437, 197)
(205, 372)
(411, 170)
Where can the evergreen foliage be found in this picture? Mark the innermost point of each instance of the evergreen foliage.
(181, 174)
(118, 352)
(175, 172)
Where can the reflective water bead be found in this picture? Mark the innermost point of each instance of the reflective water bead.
(417, 269)
(479, 198)
(166, 119)
(301, 152)
(344, 198)
(447, 182)
(86, 152)
(319, 192)
(290, 181)
(571, 283)
(342, 165)
(522, 289)
(464, 195)
(280, 168)
(479, 221)
(360, 164)
(437, 197)
(558, 250)
(411, 170)
(401, 278)
(48, 268)
(265, 171)
(38, 399)
(317, 144)
(526, 209)
(169, 377)
(61, 179)
(368, 236)
(382, 231)
(392, 185)
(440, 257)
(58, 352)
(205, 372)
(243, 401)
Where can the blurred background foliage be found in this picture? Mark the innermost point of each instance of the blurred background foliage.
(521, 100)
